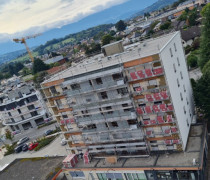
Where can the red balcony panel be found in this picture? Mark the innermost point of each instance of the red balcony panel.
(156, 108)
(141, 74)
(139, 111)
(149, 133)
(133, 76)
(148, 109)
(163, 107)
(157, 96)
(158, 71)
(62, 122)
(72, 120)
(167, 131)
(174, 129)
(169, 118)
(67, 121)
(176, 141)
(160, 119)
(164, 94)
(138, 89)
(153, 121)
(170, 107)
(149, 97)
(148, 72)
(146, 122)
(168, 142)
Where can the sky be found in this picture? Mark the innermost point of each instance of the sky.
(19, 18)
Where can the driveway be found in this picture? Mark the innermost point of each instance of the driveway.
(53, 149)
(195, 74)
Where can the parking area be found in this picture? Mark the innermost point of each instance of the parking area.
(53, 149)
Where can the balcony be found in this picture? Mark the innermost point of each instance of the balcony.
(159, 120)
(95, 87)
(146, 73)
(98, 118)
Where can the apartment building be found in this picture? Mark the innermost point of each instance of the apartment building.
(21, 107)
(127, 103)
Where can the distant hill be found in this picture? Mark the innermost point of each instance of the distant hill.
(10, 56)
(155, 6)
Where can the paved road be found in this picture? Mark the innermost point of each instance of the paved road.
(31, 133)
(53, 149)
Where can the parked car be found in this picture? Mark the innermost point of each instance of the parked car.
(23, 140)
(63, 142)
(32, 146)
(25, 147)
(48, 132)
(19, 148)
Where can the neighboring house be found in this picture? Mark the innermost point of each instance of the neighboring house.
(188, 4)
(59, 59)
(178, 25)
(189, 35)
(56, 69)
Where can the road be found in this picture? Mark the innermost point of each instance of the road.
(53, 149)
(31, 133)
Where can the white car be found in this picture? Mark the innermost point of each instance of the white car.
(63, 142)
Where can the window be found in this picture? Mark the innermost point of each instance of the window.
(77, 174)
(187, 122)
(19, 111)
(171, 52)
(12, 119)
(125, 105)
(22, 117)
(178, 62)
(122, 91)
(90, 82)
(99, 81)
(132, 122)
(117, 76)
(64, 116)
(184, 88)
(91, 126)
(187, 101)
(114, 124)
(184, 110)
(9, 113)
(178, 83)
(135, 176)
(31, 107)
(109, 176)
(104, 95)
(75, 87)
(53, 90)
(108, 107)
(181, 96)
(34, 113)
(181, 75)
(174, 66)
(175, 47)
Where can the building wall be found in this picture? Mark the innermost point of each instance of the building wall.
(174, 65)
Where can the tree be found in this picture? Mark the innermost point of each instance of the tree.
(39, 66)
(192, 61)
(26, 71)
(8, 135)
(206, 68)
(120, 25)
(39, 78)
(192, 17)
(165, 26)
(201, 91)
(205, 37)
(106, 39)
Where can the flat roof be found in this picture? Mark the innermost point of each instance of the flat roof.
(167, 160)
(142, 49)
(32, 168)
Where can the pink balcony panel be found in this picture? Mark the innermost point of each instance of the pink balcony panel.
(62, 122)
(133, 76)
(148, 72)
(146, 122)
(72, 120)
(139, 111)
(158, 71)
(167, 131)
(174, 129)
(138, 89)
(67, 121)
(164, 94)
(176, 141)
(153, 122)
(149, 97)
(168, 142)
(141, 74)
(156, 108)
(148, 109)
(170, 107)
(169, 118)
(163, 107)
(160, 119)
(157, 96)
(149, 133)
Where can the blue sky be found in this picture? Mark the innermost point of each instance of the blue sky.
(57, 18)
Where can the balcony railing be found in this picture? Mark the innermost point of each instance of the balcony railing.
(159, 120)
(106, 117)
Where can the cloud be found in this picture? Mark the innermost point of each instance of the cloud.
(23, 17)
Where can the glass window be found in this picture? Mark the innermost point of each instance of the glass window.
(174, 68)
(175, 47)
(181, 75)
(178, 62)
(178, 82)
(135, 176)
(181, 96)
(171, 52)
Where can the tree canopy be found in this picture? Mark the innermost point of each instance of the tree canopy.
(205, 37)
(39, 66)
(120, 25)
(106, 39)
(192, 61)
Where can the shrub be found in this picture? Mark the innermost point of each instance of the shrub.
(192, 61)
(44, 142)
